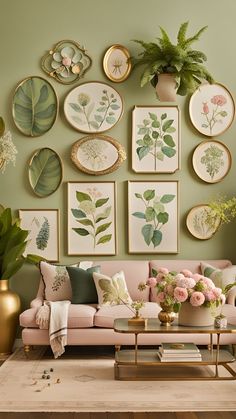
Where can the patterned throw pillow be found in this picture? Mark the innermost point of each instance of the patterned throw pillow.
(56, 281)
(220, 277)
(111, 291)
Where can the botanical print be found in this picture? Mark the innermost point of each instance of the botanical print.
(94, 152)
(91, 218)
(60, 277)
(198, 222)
(93, 111)
(117, 63)
(211, 161)
(155, 139)
(43, 227)
(211, 109)
(154, 207)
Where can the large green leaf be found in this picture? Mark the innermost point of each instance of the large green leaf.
(147, 232)
(12, 268)
(102, 227)
(34, 106)
(45, 172)
(104, 239)
(101, 202)
(156, 238)
(81, 231)
(82, 196)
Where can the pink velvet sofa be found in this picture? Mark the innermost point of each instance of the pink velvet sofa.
(88, 325)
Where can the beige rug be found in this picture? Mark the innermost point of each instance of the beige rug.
(88, 385)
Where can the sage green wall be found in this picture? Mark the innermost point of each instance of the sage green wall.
(29, 28)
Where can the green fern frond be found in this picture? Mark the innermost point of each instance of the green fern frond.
(43, 235)
(165, 40)
(194, 38)
(181, 37)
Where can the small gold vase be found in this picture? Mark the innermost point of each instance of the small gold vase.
(166, 315)
(9, 314)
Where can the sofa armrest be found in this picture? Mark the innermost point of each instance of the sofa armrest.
(231, 297)
(36, 303)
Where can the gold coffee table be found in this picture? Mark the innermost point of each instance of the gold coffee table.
(141, 363)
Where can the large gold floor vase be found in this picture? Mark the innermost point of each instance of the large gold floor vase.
(9, 314)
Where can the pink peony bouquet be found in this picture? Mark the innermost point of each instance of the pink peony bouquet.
(173, 289)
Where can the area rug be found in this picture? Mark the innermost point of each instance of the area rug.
(88, 385)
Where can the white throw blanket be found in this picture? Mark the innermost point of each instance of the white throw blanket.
(54, 316)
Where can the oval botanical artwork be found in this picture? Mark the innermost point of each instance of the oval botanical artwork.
(116, 63)
(45, 172)
(34, 106)
(200, 224)
(211, 161)
(97, 154)
(212, 109)
(93, 107)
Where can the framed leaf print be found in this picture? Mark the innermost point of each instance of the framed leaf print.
(97, 154)
(212, 109)
(93, 107)
(45, 172)
(153, 216)
(35, 106)
(117, 63)
(211, 161)
(91, 218)
(43, 227)
(155, 139)
(198, 223)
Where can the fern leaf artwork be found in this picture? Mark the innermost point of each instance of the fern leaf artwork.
(43, 235)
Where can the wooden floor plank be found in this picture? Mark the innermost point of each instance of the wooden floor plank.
(186, 415)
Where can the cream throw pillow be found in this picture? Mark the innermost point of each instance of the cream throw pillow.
(57, 286)
(111, 291)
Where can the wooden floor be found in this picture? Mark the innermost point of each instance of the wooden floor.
(128, 415)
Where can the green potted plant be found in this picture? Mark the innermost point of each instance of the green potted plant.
(13, 241)
(178, 64)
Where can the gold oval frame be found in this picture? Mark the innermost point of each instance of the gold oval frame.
(120, 152)
(191, 116)
(106, 58)
(57, 105)
(229, 157)
(191, 231)
(62, 171)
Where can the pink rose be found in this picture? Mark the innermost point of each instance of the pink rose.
(180, 294)
(160, 298)
(66, 61)
(151, 282)
(208, 282)
(217, 292)
(179, 277)
(197, 277)
(219, 100)
(187, 273)
(159, 277)
(197, 299)
(164, 271)
(186, 282)
(210, 296)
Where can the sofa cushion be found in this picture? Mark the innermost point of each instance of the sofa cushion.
(106, 315)
(56, 281)
(111, 291)
(80, 316)
(220, 277)
(82, 284)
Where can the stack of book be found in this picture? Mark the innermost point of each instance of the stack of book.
(179, 352)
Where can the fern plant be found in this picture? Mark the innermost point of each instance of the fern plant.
(185, 63)
(43, 235)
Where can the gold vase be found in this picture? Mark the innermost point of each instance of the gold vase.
(166, 315)
(9, 314)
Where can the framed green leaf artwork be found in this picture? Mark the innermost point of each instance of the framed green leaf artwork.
(91, 218)
(153, 216)
(35, 106)
(43, 227)
(45, 172)
(155, 139)
(93, 107)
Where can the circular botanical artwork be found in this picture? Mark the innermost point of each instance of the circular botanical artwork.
(45, 172)
(211, 161)
(212, 109)
(200, 224)
(117, 63)
(97, 154)
(34, 106)
(93, 107)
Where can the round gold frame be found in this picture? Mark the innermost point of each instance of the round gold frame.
(106, 58)
(198, 236)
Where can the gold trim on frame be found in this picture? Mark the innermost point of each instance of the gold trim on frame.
(115, 219)
(121, 154)
(229, 157)
(106, 59)
(57, 223)
(178, 227)
(188, 227)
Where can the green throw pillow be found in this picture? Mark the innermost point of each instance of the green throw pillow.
(82, 284)
(215, 274)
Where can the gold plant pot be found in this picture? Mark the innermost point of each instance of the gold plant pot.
(166, 315)
(9, 314)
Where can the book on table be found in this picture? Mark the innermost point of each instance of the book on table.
(179, 352)
(184, 358)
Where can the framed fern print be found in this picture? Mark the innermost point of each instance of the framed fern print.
(91, 218)
(43, 227)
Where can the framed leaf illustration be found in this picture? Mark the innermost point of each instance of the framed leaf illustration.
(198, 223)
(45, 172)
(155, 139)
(153, 216)
(91, 218)
(93, 107)
(43, 225)
(35, 106)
